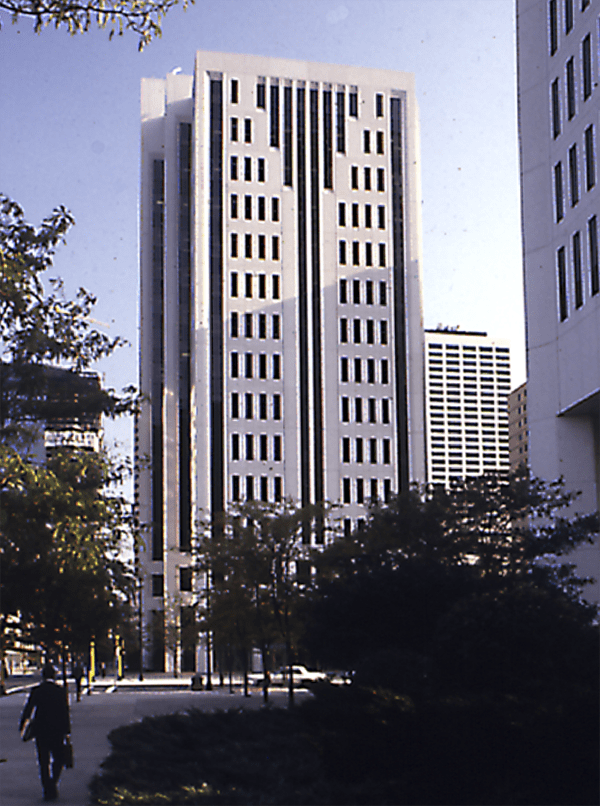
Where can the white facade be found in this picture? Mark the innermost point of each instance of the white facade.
(467, 387)
(282, 343)
(559, 101)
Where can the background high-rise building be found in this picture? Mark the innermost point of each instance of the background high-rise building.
(559, 100)
(467, 386)
(518, 427)
(281, 324)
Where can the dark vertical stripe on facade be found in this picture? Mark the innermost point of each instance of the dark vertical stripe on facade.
(158, 356)
(302, 299)
(217, 413)
(327, 141)
(274, 116)
(185, 381)
(397, 190)
(341, 122)
(287, 136)
(315, 242)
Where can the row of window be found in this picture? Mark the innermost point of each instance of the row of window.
(239, 167)
(368, 410)
(360, 450)
(367, 141)
(587, 86)
(361, 490)
(256, 447)
(368, 173)
(251, 365)
(568, 19)
(235, 205)
(250, 284)
(367, 215)
(263, 488)
(469, 348)
(368, 254)
(362, 291)
(251, 325)
(254, 245)
(573, 174)
(249, 406)
(363, 330)
(364, 370)
(473, 414)
(580, 285)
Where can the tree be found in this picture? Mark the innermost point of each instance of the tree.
(61, 519)
(142, 17)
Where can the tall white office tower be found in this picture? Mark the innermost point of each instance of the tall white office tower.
(467, 386)
(559, 98)
(281, 317)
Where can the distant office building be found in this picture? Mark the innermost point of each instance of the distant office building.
(281, 324)
(467, 387)
(518, 430)
(559, 105)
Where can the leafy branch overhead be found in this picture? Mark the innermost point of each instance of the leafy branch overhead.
(141, 17)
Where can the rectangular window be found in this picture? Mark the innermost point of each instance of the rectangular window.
(555, 108)
(235, 488)
(277, 407)
(372, 410)
(355, 215)
(262, 366)
(380, 179)
(345, 450)
(274, 117)
(357, 370)
(234, 205)
(383, 331)
(277, 448)
(233, 168)
(370, 331)
(358, 409)
(262, 406)
(593, 255)
(368, 253)
(234, 248)
(235, 91)
(235, 406)
(577, 270)
(558, 192)
(247, 169)
(382, 256)
(562, 284)
(234, 325)
(568, 16)
(573, 175)
(345, 410)
(553, 25)
(234, 129)
(235, 365)
(248, 245)
(261, 169)
(261, 213)
(247, 130)
(586, 66)
(373, 451)
(248, 365)
(344, 331)
(355, 253)
(386, 452)
(356, 331)
(262, 286)
(340, 108)
(359, 450)
(369, 292)
(287, 136)
(367, 141)
(370, 370)
(374, 490)
(590, 162)
(262, 326)
(275, 208)
(368, 220)
(342, 253)
(353, 104)
(235, 447)
(360, 491)
(264, 488)
(341, 214)
(158, 585)
(276, 326)
(262, 249)
(261, 95)
(382, 293)
(385, 411)
(249, 405)
(275, 286)
(327, 144)
(344, 370)
(249, 488)
(356, 292)
(346, 491)
(571, 105)
(343, 292)
(379, 105)
(276, 367)
(385, 371)
(248, 285)
(381, 216)
(248, 209)
(248, 325)
(278, 482)
(380, 149)
(354, 177)
(275, 247)
(249, 448)
(367, 177)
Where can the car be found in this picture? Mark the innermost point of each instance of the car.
(301, 676)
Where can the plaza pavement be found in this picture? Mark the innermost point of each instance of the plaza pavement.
(92, 719)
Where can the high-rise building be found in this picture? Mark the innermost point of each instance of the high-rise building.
(281, 324)
(559, 102)
(467, 385)
(518, 428)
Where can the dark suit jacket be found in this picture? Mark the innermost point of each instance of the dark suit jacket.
(50, 706)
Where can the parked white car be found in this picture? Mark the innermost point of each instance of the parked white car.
(302, 676)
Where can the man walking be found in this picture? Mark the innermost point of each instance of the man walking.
(51, 723)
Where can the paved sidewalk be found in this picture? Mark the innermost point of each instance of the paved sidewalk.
(92, 719)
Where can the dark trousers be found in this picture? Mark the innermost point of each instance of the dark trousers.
(48, 746)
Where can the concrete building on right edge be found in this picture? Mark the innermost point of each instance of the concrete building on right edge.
(559, 103)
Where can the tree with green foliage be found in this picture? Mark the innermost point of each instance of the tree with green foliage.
(141, 17)
(62, 519)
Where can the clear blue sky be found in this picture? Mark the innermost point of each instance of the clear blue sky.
(69, 134)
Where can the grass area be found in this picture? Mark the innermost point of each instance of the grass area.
(359, 746)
